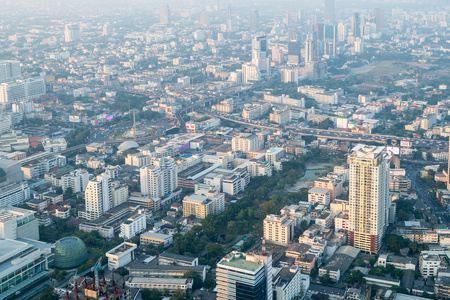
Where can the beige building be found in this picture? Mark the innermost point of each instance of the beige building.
(319, 195)
(329, 184)
(278, 229)
(203, 204)
(368, 197)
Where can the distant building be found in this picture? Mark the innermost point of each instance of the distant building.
(14, 189)
(72, 33)
(278, 228)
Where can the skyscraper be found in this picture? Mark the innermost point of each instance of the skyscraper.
(244, 276)
(259, 54)
(329, 12)
(342, 32)
(229, 20)
(107, 29)
(164, 14)
(378, 14)
(357, 25)
(311, 51)
(98, 197)
(72, 33)
(448, 169)
(254, 20)
(9, 70)
(368, 197)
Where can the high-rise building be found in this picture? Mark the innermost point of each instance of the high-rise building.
(329, 12)
(77, 180)
(357, 25)
(448, 168)
(9, 70)
(260, 56)
(72, 33)
(342, 32)
(378, 14)
(244, 276)
(229, 18)
(368, 197)
(164, 14)
(311, 51)
(254, 20)
(14, 190)
(359, 45)
(107, 29)
(245, 142)
(278, 229)
(204, 18)
(159, 178)
(22, 90)
(98, 197)
(294, 52)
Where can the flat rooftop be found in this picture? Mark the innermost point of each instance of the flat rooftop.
(241, 263)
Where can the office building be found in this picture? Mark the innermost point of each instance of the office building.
(357, 25)
(229, 18)
(203, 203)
(279, 116)
(244, 276)
(294, 52)
(24, 264)
(245, 142)
(72, 33)
(254, 20)
(107, 29)
(76, 180)
(133, 226)
(289, 76)
(14, 189)
(378, 15)
(311, 51)
(22, 90)
(17, 223)
(159, 178)
(98, 197)
(329, 12)
(250, 73)
(278, 229)
(368, 197)
(9, 70)
(121, 255)
(260, 57)
(342, 32)
(164, 14)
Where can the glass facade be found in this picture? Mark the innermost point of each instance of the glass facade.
(70, 252)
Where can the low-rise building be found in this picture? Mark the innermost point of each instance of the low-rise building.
(121, 255)
(148, 238)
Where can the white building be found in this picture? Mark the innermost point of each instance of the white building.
(42, 165)
(14, 190)
(245, 142)
(17, 223)
(289, 75)
(9, 70)
(429, 264)
(278, 229)
(280, 116)
(289, 283)
(98, 197)
(203, 203)
(54, 145)
(250, 73)
(22, 90)
(259, 168)
(120, 255)
(138, 160)
(318, 195)
(368, 197)
(72, 33)
(159, 178)
(77, 180)
(148, 238)
(133, 226)
(274, 154)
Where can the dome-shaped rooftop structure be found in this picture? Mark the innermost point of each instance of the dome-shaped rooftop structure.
(70, 252)
(128, 145)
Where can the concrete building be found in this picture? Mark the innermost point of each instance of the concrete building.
(148, 238)
(203, 204)
(159, 178)
(289, 283)
(22, 90)
(98, 197)
(14, 190)
(319, 195)
(119, 193)
(17, 223)
(245, 142)
(241, 275)
(10, 70)
(278, 229)
(72, 33)
(42, 165)
(167, 258)
(77, 180)
(133, 226)
(368, 197)
(429, 264)
(280, 116)
(259, 168)
(121, 255)
(161, 284)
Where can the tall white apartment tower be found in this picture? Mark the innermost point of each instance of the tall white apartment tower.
(98, 197)
(159, 178)
(368, 197)
(260, 56)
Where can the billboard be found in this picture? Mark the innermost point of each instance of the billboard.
(74, 119)
(190, 126)
(393, 143)
(405, 144)
(393, 150)
(184, 147)
(109, 117)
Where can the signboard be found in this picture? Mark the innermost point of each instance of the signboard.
(184, 147)
(393, 143)
(109, 117)
(74, 119)
(406, 144)
(190, 126)
(393, 150)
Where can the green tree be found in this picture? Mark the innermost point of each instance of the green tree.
(325, 278)
(355, 277)
(153, 294)
(122, 271)
(197, 279)
(178, 295)
(48, 294)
